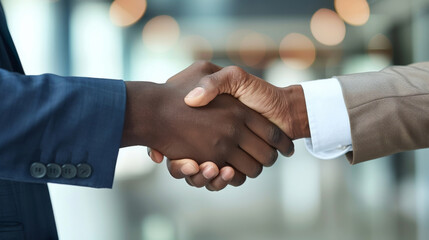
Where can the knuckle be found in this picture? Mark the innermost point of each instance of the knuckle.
(235, 71)
(223, 149)
(238, 112)
(232, 131)
(203, 64)
(219, 144)
(237, 77)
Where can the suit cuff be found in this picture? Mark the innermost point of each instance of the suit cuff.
(103, 150)
(328, 119)
(57, 126)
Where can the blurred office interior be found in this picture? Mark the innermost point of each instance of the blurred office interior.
(282, 41)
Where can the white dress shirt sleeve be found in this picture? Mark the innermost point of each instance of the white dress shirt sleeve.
(328, 119)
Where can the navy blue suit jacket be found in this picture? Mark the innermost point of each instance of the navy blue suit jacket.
(48, 119)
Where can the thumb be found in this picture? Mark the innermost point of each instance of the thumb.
(226, 80)
(204, 93)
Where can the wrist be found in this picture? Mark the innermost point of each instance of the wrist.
(139, 118)
(297, 118)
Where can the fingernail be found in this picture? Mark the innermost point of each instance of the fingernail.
(208, 172)
(149, 152)
(188, 169)
(198, 91)
(225, 177)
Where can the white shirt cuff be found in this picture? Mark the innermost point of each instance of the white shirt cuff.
(328, 119)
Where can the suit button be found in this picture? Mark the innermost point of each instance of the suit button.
(38, 170)
(68, 171)
(53, 170)
(84, 170)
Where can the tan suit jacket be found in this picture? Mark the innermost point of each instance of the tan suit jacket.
(388, 110)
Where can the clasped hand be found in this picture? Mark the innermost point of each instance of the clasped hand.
(200, 130)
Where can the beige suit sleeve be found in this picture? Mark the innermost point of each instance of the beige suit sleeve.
(388, 111)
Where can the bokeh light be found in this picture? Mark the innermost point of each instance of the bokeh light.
(253, 49)
(327, 27)
(232, 44)
(198, 46)
(380, 46)
(379, 43)
(297, 51)
(127, 12)
(353, 12)
(161, 33)
(249, 48)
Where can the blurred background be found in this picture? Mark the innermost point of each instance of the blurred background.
(282, 41)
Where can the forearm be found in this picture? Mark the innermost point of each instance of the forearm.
(51, 119)
(388, 110)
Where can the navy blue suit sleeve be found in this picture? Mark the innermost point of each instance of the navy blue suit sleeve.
(62, 120)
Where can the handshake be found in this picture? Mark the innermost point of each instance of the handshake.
(215, 125)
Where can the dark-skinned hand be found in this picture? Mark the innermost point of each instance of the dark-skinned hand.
(285, 107)
(224, 131)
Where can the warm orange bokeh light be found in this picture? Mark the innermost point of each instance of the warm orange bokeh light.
(380, 45)
(353, 12)
(249, 48)
(233, 44)
(297, 51)
(327, 27)
(253, 49)
(127, 12)
(161, 33)
(379, 42)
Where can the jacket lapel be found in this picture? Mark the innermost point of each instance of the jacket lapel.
(9, 59)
